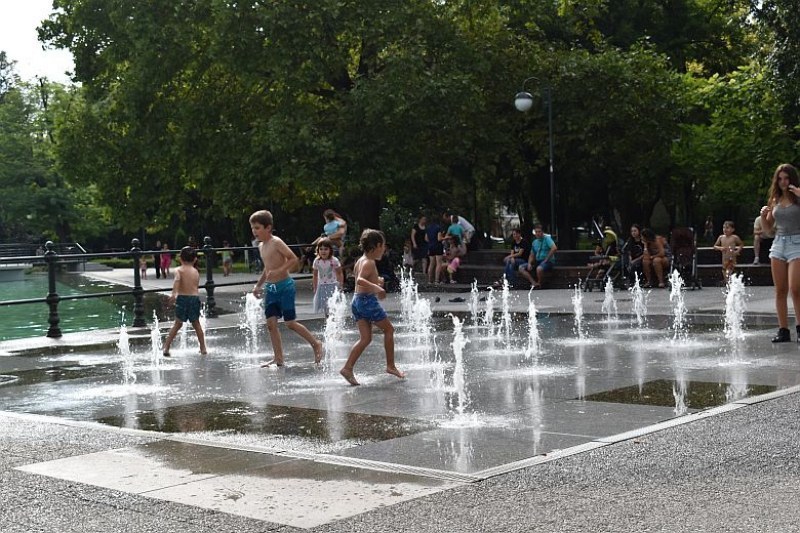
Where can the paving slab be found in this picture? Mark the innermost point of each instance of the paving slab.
(543, 457)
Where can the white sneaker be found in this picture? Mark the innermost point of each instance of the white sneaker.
(756, 261)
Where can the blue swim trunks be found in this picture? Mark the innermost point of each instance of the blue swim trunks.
(187, 308)
(365, 306)
(279, 299)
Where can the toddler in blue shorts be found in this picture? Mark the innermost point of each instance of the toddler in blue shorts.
(365, 307)
(186, 298)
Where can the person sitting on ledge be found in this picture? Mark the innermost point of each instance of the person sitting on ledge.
(517, 258)
(542, 257)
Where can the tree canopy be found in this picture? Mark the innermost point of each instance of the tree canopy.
(211, 109)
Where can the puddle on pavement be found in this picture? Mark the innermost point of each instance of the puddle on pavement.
(58, 373)
(698, 394)
(242, 417)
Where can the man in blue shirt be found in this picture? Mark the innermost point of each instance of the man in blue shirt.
(542, 257)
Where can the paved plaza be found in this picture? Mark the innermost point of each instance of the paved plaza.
(586, 435)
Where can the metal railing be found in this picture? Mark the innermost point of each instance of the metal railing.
(52, 259)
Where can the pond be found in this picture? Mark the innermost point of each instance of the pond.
(30, 320)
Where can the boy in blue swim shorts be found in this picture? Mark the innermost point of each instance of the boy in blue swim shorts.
(185, 296)
(366, 308)
(278, 287)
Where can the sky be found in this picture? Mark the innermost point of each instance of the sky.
(18, 22)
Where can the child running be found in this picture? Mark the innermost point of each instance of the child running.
(731, 246)
(185, 296)
(327, 275)
(365, 307)
(279, 296)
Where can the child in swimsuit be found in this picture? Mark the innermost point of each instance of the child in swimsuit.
(185, 295)
(366, 308)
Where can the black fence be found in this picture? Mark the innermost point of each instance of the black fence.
(55, 260)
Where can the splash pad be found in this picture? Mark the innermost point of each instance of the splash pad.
(491, 382)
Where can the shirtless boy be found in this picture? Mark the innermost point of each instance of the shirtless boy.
(731, 246)
(365, 307)
(280, 292)
(185, 295)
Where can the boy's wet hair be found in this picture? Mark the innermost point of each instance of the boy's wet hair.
(729, 223)
(325, 243)
(370, 239)
(188, 254)
(263, 217)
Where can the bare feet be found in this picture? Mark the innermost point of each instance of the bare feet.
(393, 371)
(348, 375)
(203, 352)
(318, 352)
(274, 361)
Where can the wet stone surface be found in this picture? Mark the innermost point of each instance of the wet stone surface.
(58, 373)
(272, 419)
(697, 394)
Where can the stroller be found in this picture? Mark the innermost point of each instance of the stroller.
(606, 264)
(684, 256)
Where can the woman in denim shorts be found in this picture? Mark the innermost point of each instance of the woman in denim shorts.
(782, 213)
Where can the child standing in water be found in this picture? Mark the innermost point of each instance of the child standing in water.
(365, 307)
(327, 275)
(280, 292)
(185, 295)
(731, 246)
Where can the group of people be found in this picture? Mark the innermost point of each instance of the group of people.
(162, 260)
(527, 257)
(648, 255)
(645, 249)
(437, 248)
(277, 288)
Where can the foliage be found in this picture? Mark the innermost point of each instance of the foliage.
(38, 203)
(780, 21)
(736, 148)
(194, 113)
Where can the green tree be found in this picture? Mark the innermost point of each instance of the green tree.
(780, 29)
(37, 201)
(733, 150)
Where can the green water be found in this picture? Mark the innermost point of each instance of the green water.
(30, 320)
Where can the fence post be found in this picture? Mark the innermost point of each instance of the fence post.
(50, 257)
(211, 304)
(138, 292)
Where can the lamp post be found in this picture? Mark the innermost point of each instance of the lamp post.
(523, 101)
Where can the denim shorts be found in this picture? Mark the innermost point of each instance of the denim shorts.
(187, 308)
(279, 299)
(785, 248)
(365, 306)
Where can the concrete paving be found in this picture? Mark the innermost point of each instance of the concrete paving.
(727, 468)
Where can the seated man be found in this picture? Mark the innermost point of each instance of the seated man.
(517, 257)
(542, 257)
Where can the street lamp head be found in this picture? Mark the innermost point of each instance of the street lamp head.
(523, 101)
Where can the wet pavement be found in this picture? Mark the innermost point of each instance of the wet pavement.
(621, 427)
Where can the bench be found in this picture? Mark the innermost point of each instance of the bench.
(486, 266)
